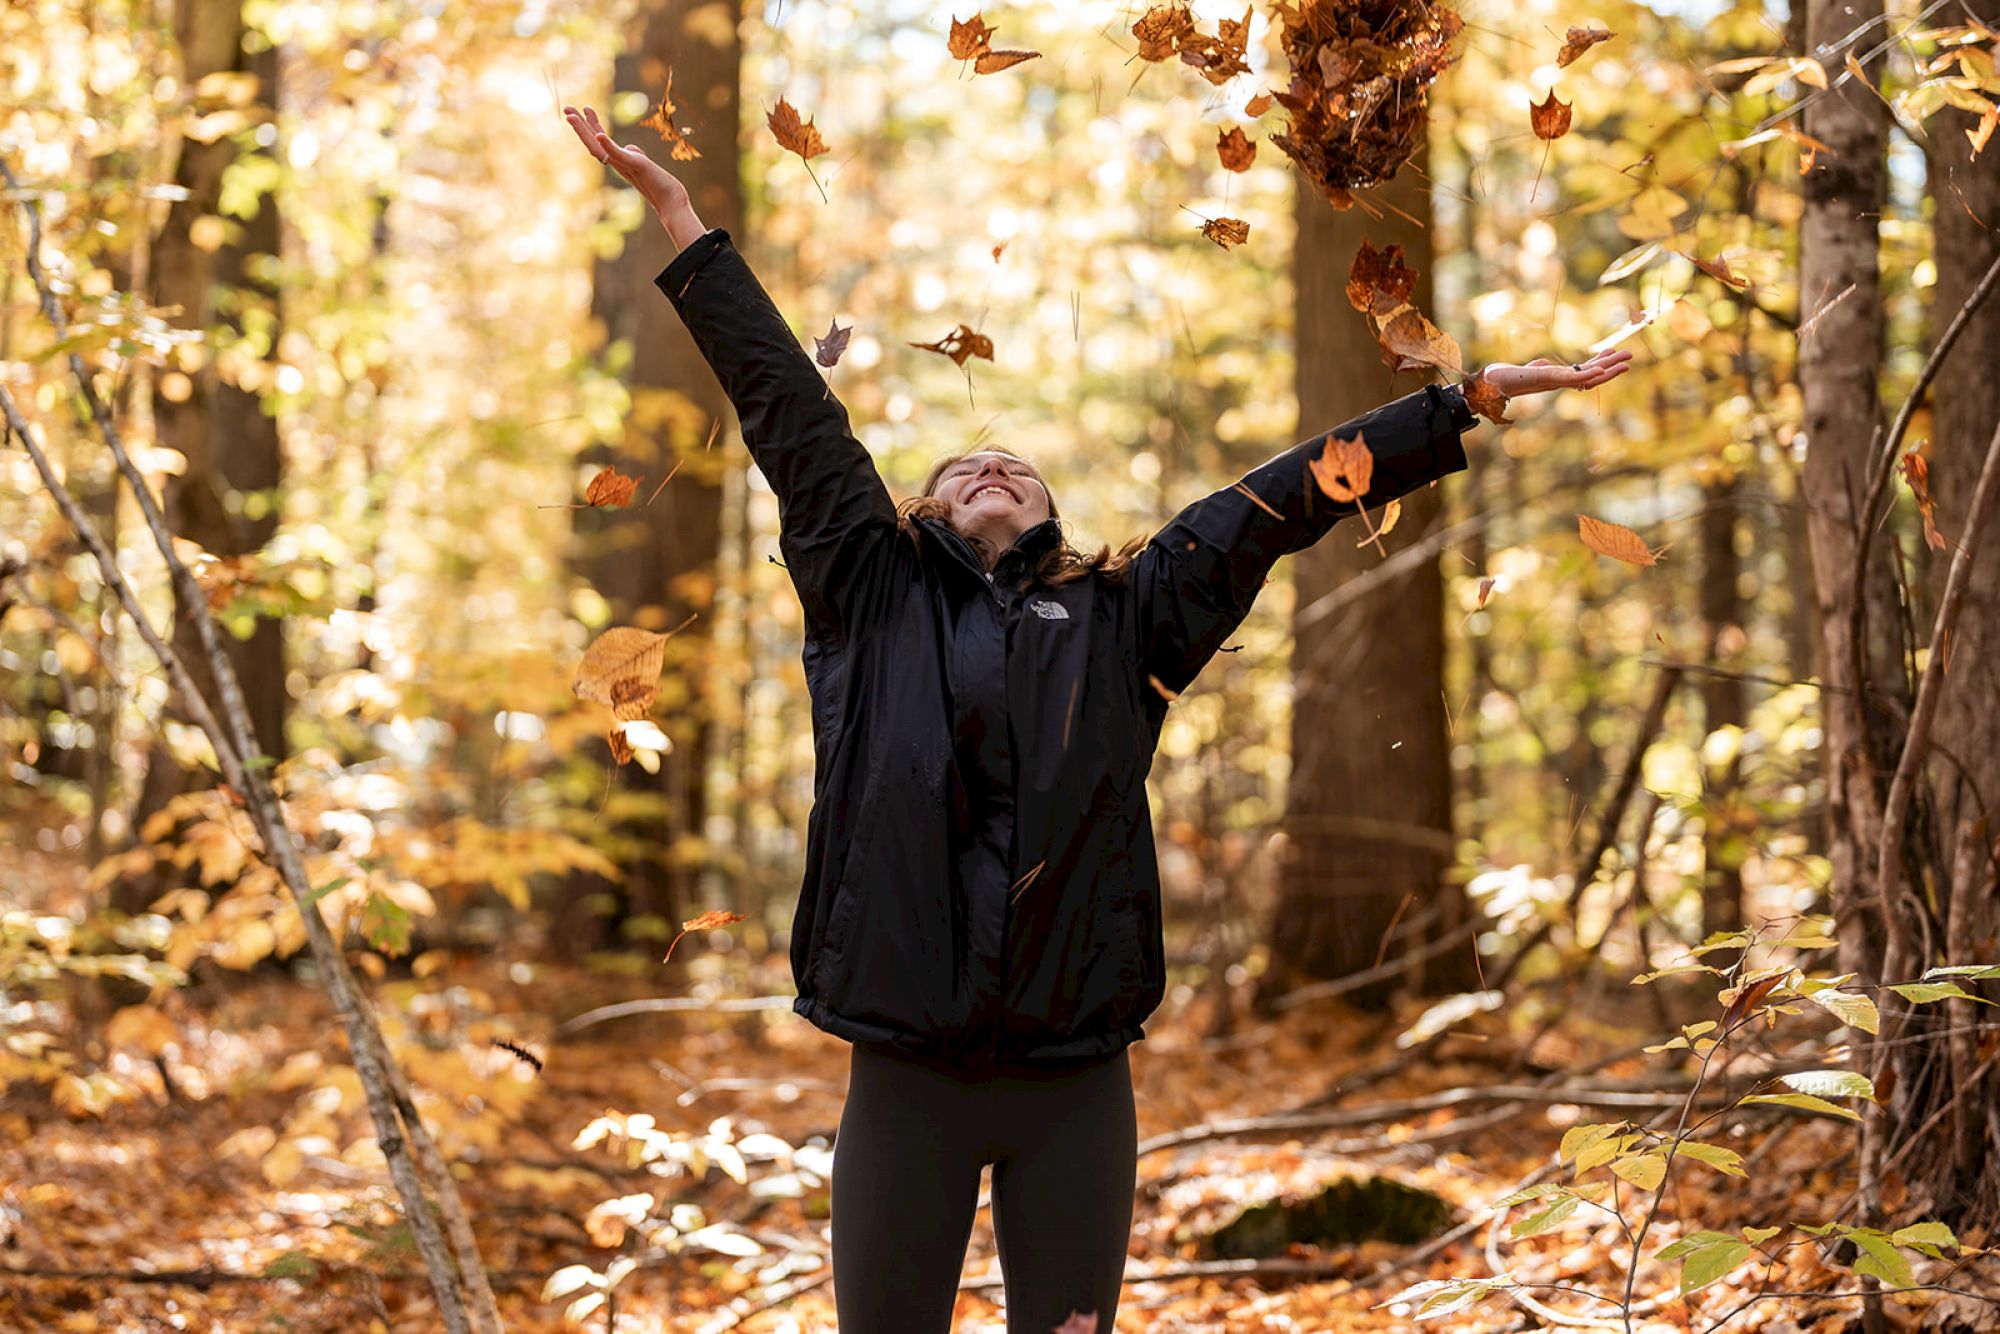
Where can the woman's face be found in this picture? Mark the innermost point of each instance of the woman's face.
(994, 497)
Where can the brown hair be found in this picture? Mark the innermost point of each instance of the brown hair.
(1062, 564)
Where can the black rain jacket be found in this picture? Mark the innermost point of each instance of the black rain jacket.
(980, 885)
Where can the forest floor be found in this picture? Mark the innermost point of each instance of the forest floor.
(172, 1211)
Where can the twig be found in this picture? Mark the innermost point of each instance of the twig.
(667, 1005)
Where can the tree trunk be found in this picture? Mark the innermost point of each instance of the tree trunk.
(1722, 845)
(225, 497)
(1369, 811)
(1840, 355)
(1958, 827)
(657, 565)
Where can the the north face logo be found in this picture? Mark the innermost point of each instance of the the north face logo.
(1048, 611)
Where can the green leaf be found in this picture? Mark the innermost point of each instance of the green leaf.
(1599, 1152)
(1726, 1161)
(1534, 1192)
(1829, 1084)
(1880, 1258)
(1854, 1010)
(292, 1264)
(386, 925)
(1578, 1138)
(1804, 1102)
(1924, 993)
(1757, 1236)
(323, 891)
(1925, 1237)
(1535, 1224)
(1722, 940)
(1705, 1256)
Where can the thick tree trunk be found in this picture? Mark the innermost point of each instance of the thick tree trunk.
(1370, 794)
(1959, 824)
(657, 566)
(1840, 354)
(225, 497)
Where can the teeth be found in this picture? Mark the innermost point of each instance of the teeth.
(984, 489)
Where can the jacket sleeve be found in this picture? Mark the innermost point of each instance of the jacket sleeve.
(832, 506)
(1195, 580)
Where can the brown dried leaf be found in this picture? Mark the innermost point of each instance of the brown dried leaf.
(1484, 399)
(621, 749)
(1344, 469)
(1258, 105)
(1916, 471)
(610, 489)
(992, 62)
(827, 350)
(969, 37)
(1978, 134)
(961, 343)
(1579, 40)
(1161, 29)
(1550, 118)
(1615, 541)
(620, 666)
(1718, 269)
(1226, 232)
(793, 134)
(1392, 515)
(1236, 150)
(1486, 583)
(1379, 271)
(708, 921)
(662, 120)
(1411, 341)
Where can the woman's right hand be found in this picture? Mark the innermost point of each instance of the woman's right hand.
(659, 187)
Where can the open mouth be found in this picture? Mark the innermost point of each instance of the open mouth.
(991, 487)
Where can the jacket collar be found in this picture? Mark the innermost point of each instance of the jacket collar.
(1014, 564)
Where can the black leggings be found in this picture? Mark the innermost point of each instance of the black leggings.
(1064, 1149)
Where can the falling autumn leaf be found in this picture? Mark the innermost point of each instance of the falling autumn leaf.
(969, 37)
(1344, 469)
(1640, 319)
(708, 921)
(961, 343)
(1220, 57)
(992, 62)
(1410, 341)
(1615, 541)
(662, 120)
(1226, 232)
(793, 134)
(1161, 29)
(1550, 118)
(996, 251)
(621, 668)
(1381, 271)
(1484, 399)
(1916, 471)
(1392, 515)
(1718, 269)
(1486, 584)
(1258, 105)
(1978, 134)
(827, 350)
(610, 489)
(1235, 149)
(1579, 40)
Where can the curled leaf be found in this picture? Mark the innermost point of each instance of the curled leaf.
(1226, 232)
(992, 62)
(1916, 471)
(662, 120)
(708, 921)
(1484, 399)
(1550, 118)
(961, 343)
(1579, 40)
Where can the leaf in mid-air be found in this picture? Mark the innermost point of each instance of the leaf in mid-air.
(662, 120)
(1410, 341)
(1344, 469)
(992, 62)
(610, 489)
(708, 921)
(827, 350)
(1161, 29)
(1381, 271)
(961, 343)
(969, 37)
(1226, 232)
(1549, 117)
(1484, 399)
(793, 134)
(1579, 40)
(1615, 541)
(1235, 149)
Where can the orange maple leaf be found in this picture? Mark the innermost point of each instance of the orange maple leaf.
(793, 134)
(1550, 118)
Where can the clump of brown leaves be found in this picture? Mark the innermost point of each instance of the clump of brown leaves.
(1379, 285)
(972, 39)
(1361, 76)
(1167, 30)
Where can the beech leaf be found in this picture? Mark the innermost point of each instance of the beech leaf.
(1615, 541)
(708, 921)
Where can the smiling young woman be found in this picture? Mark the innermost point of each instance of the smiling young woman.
(980, 914)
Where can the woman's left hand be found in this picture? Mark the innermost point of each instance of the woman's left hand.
(1543, 374)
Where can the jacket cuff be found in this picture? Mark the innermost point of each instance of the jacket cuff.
(674, 279)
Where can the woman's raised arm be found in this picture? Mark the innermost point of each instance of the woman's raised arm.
(832, 505)
(1197, 577)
